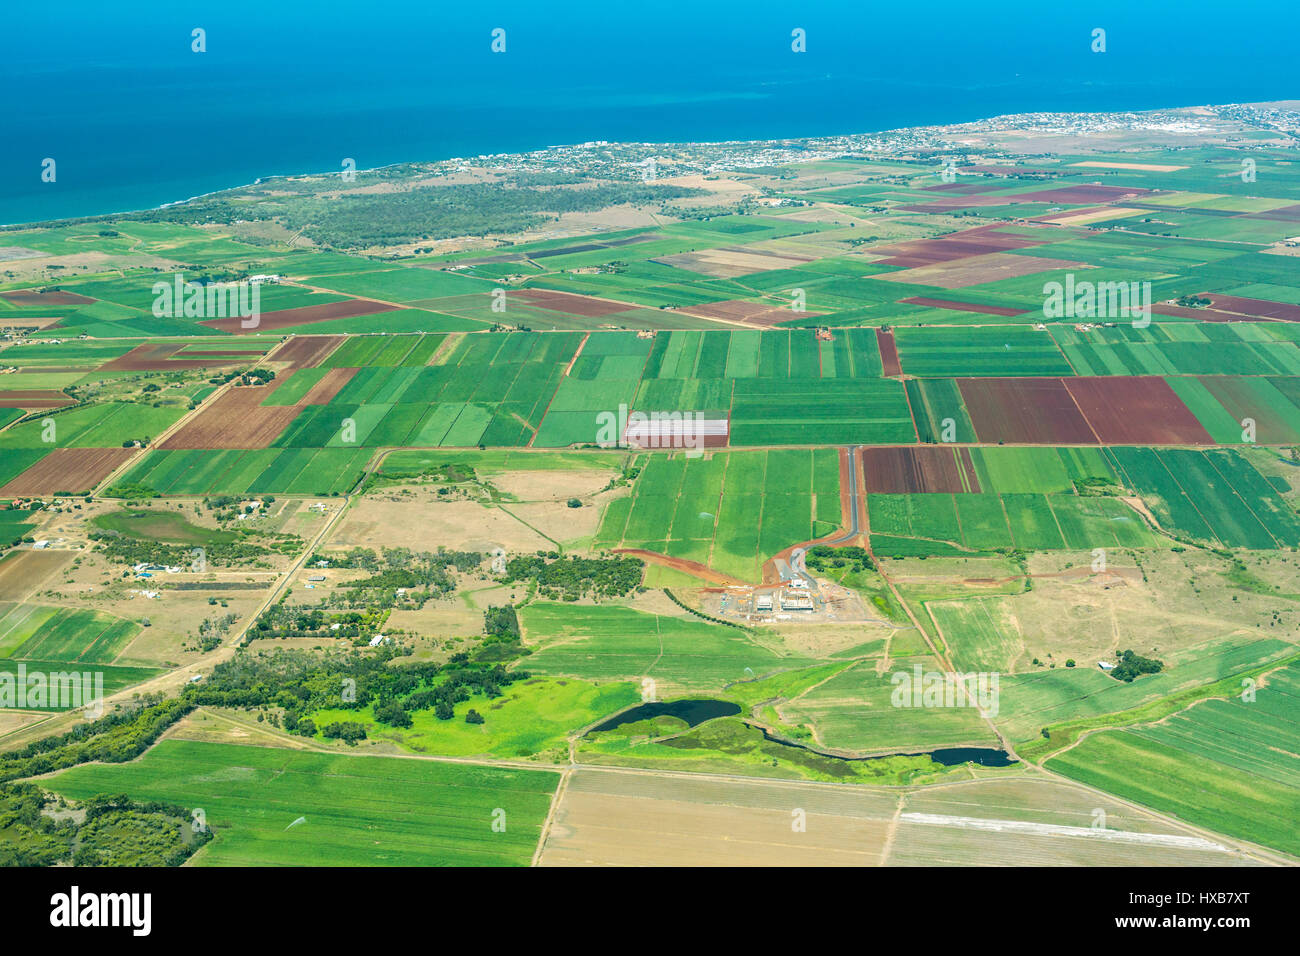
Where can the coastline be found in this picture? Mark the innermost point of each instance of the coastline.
(835, 145)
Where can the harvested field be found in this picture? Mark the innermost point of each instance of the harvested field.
(1284, 214)
(570, 304)
(1078, 195)
(1254, 308)
(923, 468)
(159, 358)
(1031, 411)
(962, 306)
(1197, 315)
(22, 572)
(27, 298)
(952, 205)
(303, 315)
(1149, 167)
(732, 263)
(306, 351)
(888, 353)
(609, 817)
(68, 469)
(235, 420)
(1081, 217)
(1136, 410)
(750, 313)
(959, 245)
(33, 398)
(976, 270)
(28, 322)
(997, 170)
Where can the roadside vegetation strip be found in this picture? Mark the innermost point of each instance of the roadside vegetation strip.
(1062, 736)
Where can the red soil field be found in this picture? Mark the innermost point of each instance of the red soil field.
(158, 358)
(1200, 315)
(27, 297)
(953, 204)
(1255, 308)
(959, 245)
(888, 353)
(962, 306)
(1282, 214)
(571, 304)
(922, 468)
(303, 315)
(1136, 410)
(67, 469)
(306, 351)
(1028, 411)
(1078, 194)
(235, 420)
(33, 398)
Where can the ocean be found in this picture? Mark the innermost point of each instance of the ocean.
(134, 118)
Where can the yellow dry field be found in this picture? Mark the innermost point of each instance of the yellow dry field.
(13, 720)
(1040, 821)
(617, 818)
(550, 485)
(731, 263)
(1095, 215)
(634, 818)
(1149, 167)
(423, 522)
(978, 269)
(1185, 600)
(24, 572)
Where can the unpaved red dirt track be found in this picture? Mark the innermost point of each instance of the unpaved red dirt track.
(67, 469)
(962, 306)
(923, 468)
(33, 398)
(1034, 411)
(571, 304)
(888, 353)
(306, 351)
(235, 420)
(303, 315)
(694, 568)
(1136, 410)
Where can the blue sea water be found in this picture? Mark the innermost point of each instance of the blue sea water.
(133, 118)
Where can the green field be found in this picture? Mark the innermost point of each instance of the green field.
(729, 511)
(359, 811)
(620, 643)
(1229, 765)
